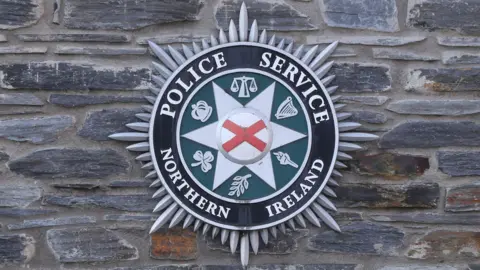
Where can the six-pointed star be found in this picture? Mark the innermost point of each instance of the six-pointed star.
(206, 135)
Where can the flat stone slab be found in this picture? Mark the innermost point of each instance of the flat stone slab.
(428, 218)
(174, 244)
(435, 107)
(364, 40)
(16, 248)
(92, 37)
(460, 58)
(105, 51)
(132, 203)
(20, 13)
(171, 39)
(18, 195)
(390, 165)
(459, 41)
(365, 100)
(361, 78)
(20, 99)
(20, 212)
(463, 198)
(395, 54)
(443, 80)
(456, 163)
(37, 223)
(74, 101)
(23, 50)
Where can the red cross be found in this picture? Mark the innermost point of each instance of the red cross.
(244, 135)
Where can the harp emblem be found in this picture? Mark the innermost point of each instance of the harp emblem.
(286, 109)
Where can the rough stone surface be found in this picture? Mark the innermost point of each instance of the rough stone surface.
(76, 186)
(420, 267)
(444, 80)
(395, 54)
(3, 38)
(20, 13)
(35, 130)
(20, 99)
(170, 39)
(463, 198)
(423, 134)
(19, 212)
(134, 203)
(359, 238)
(460, 58)
(4, 157)
(435, 107)
(375, 15)
(365, 100)
(100, 124)
(174, 244)
(423, 195)
(89, 245)
(368, 117)
(92, 37)
(131, 217)
(390, 165)
(16, 248)
(74, 101)
(36, 223)
(130, 184)
(70, 163)
(72, 76)
(99, 50)
(459, 163)
(270, 15)
(18, 195)
(428, 218)
(23, 50)
(461, 16)
(443, 244)
(325, 266)
(357, 78)
(364, 40)
(459, 41)
(128, 14)
(17, 110)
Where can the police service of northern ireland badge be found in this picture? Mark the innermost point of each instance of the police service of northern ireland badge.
(244, 137)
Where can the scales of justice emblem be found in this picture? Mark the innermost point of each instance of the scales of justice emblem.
(244, 136)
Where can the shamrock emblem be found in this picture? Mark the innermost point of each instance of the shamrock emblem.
(204, 160)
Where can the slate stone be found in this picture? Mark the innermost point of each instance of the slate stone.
(445, 244)
(105, 51)
(428, 134)
(131, 217)
(37, 223)
(23, 50)
(160, 267)
(378, 15)
(20, 110)
(16, 248)
(358, 78)
(20, 99)
(70, 163)
(369, 117)
(89, 245)
(4, 157)
(19, 212)
(388, 196)
(53, 75)
(444, 80)
(3, 38)
(359, 238)
(390, 165)
(39, 130)
(459, 41)
(134, 203)
(174, 244)
(101, 124)
(76, 186)
(463, 198)
(325, 266)
(420, 267)
(20, 13)
(130, 184)
(435, 107)
(270, 15)
(460, 58)
(74, 101)
(171, 39)
(459, 163)
(473, 267)
(395, 54)
(93, 37)
(18, 195)
(428, 218)
(364, 40)
(128, 14)
(461, 16)
(365, 100)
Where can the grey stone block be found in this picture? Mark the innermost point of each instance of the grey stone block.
(171, 39)
(130, 184)
(18, 195)
(23, 50)
(105, 51)
(428, 218)
(463, 198)
(460, 58)
(364, 40)
(20, 13)
(19, 212)
(365, 100)
(361, 78)
(74, 101)
(395, 54)
(16, 248)
(133, 203)
(444, 80)
(131, 217)
(3, 38)
(368, 117)
(20, 99)
(92, 37)
(37, 223)
(76, 186)
(4, 157)
(435, 107)
(459, 41)
(459, 163)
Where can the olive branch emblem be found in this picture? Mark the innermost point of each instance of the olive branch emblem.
(239, 185)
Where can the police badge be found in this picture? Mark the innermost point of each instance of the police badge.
(243, 137)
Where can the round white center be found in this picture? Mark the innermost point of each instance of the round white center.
(244, 136)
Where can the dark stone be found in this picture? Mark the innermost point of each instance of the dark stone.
(4, 157)
(460, 58)
(461, 16)
(35, 130)
(70, 163)
(131, 217)
(20, 13)
(174, 244)
(170, 39)
(3, 38)
(134, 203)
(420, 267)
(473, 267)
(18, 212)
(358, 78)
(72, 76)
(463, 198)
(459, 41)
(435, 107)
(364, 40)
(347, 216)
(18, 196)
(20, 99)
(160, 267)
(36, 223)
(444, 80)
(325, 266)
(359, 238)
(429, 218)
(89, 245)
(23, 50)
(390, 165)
(423, 134)
(100, 124)
(368, 117)
(365, 100)
(388, 196)
(74, 101)
(107, 51)
(395, 54)
(94, 37)
(378, 15)
(459, 163)
(277, 16)
(130, 184)
(128, 14)
(76, 186)
(16, 248)
(14, 110)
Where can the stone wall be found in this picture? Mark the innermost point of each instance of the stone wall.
(74, 71)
